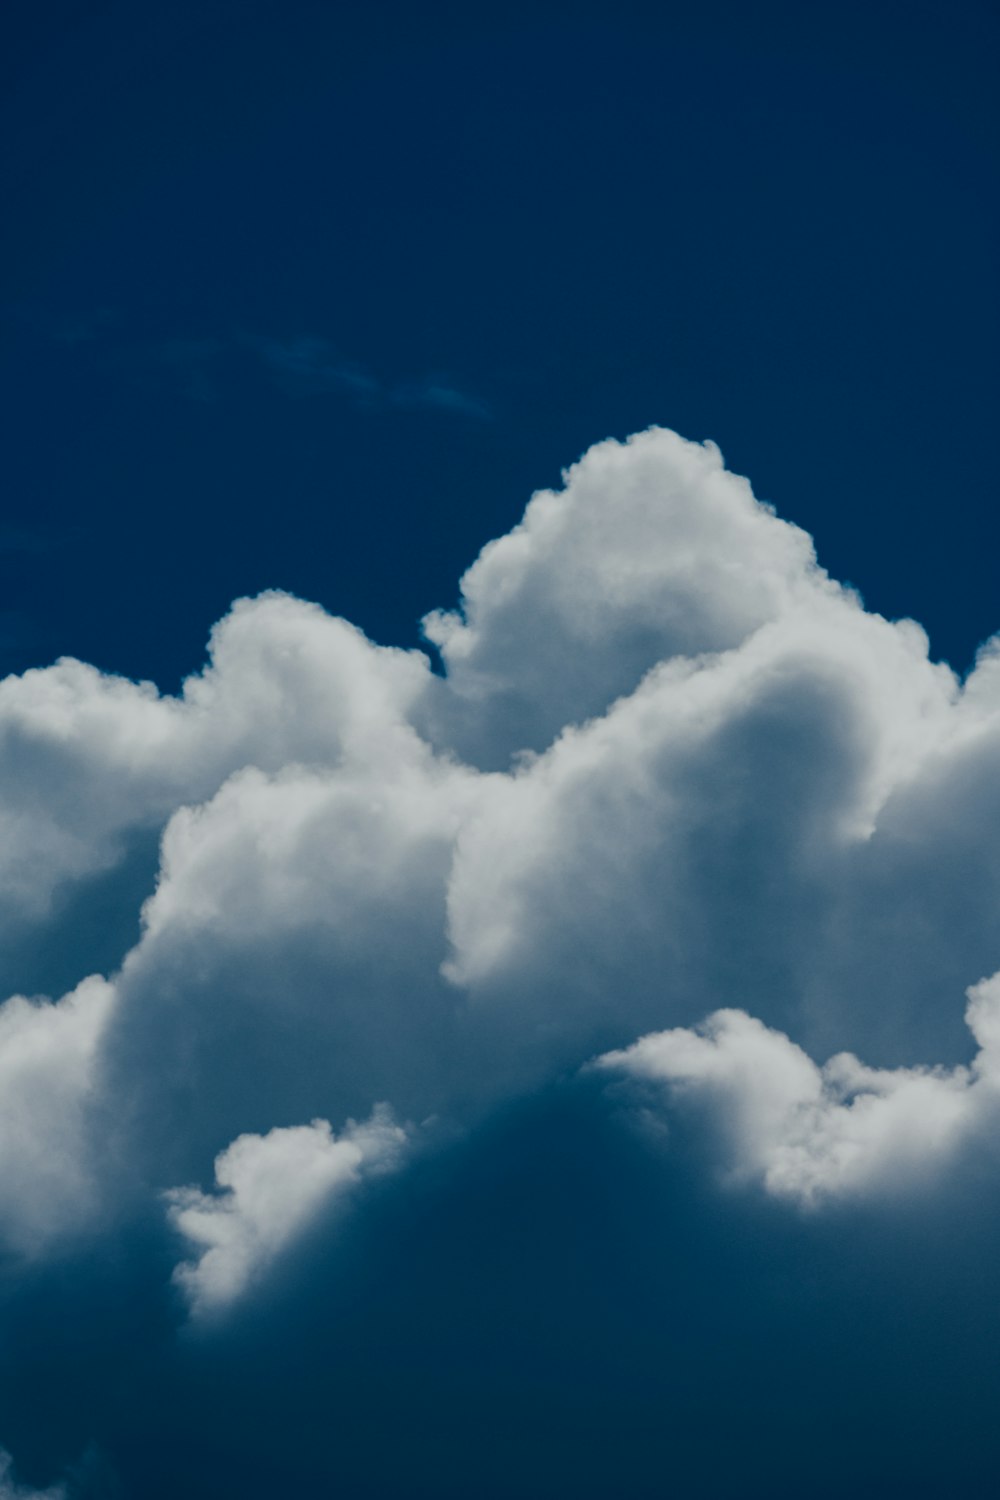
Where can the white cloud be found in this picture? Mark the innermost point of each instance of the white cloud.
(692, 747)
(304, 845)
(85, 757)
(48, 1054)
(652, 550)
(271, 1187)
(291, 958)
(808, 1133)
(743, 790)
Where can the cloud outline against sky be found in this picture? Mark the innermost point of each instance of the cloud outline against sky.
(671, 770)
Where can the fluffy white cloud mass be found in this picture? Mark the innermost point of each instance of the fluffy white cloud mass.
(47, 1060)
(272, 1186)
(808, 1133)
(671, 766)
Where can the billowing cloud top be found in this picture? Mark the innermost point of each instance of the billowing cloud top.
(671, 771)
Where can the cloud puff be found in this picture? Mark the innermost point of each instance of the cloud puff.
(671, 765)
(808, 1133)
(47, 1064)
(651, 551)
(88, 759)
(271, 1186)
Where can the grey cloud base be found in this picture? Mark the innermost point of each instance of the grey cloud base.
(672, 771)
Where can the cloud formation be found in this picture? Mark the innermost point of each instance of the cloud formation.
(47, 1061)
(270, 1188)
(670, 770)
(808, 1133)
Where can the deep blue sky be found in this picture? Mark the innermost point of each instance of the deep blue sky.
(314, 295)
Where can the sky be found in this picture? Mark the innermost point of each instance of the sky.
(499, 745)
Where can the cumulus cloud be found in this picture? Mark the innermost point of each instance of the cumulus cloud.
(270, 1188)
(670, 769)
(89, 760)
(671, 766)
(651, 551)
(808, 1133)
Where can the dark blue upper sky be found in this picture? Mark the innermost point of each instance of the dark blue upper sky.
(314, 295)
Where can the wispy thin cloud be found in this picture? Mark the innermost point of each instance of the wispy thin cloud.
(435, 391)
(309, 365)
(312, 365)
(208, 366)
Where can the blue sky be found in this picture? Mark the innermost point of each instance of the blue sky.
(499, 976)
(314, 297)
